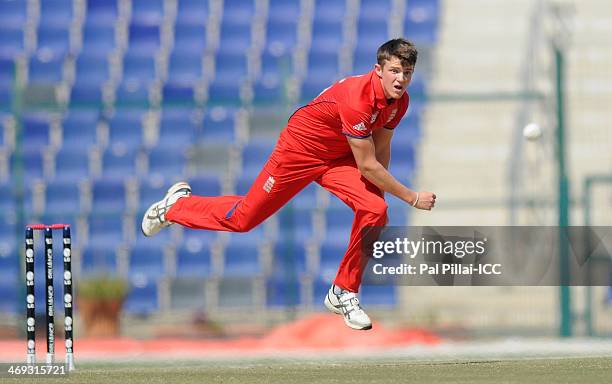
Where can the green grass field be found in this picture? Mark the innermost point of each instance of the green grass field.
(540, 370)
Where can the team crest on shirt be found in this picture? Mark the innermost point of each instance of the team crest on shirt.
(392, 115)
(373, 118)
(359, 127)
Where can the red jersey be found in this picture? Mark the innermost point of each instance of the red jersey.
(355, 106)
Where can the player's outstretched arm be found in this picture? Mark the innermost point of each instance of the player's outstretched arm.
(365, 156)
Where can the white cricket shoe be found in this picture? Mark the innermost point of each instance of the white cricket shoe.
(347, 304)
(155, 217)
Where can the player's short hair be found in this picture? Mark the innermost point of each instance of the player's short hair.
(400, 48)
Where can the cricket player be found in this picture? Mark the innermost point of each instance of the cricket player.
(340, 140)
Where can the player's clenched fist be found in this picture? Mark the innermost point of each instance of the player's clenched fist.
(425, 201)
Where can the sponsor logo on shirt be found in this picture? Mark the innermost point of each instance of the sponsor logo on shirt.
(392, 115)
(269, 184)
(359, 127)
(373, 118)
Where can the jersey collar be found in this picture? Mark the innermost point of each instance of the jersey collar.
(380, 101)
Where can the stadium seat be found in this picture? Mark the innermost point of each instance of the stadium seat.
(72, 163)
(9, 295)
(219, 124)
(193, 259)
(13, 14)
(166, 161)
(189, 39)
(289, 259)
(92, 69)
(125, 127)
(138, 68)
(147, 12)
(62, 197)
(144, 39)
(146, 260)
(283, 292)
(102, 12)
(105, 229)
(241, 259)
(331, 254)
(150, 189)
(330, 11)
(142, 298)
(295, 221)
(98, 40)
(79, 128)
(179, 127)
(378, 295)
(179, 94)
(53, 41)
(33, 164)
(421, 21)
(192, 12)
(327, 36)
(89, 95)
(9, 262)
(99, 260)
(132, 93)
(45, 70)
(109, 196)
(205, 185)
(11, 41)
(281, 33)
(255, 154)
(119, 161)
(185, 67)
(57, 13)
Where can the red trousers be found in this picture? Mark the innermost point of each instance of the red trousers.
(288, 170)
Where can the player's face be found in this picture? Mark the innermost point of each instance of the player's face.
(394, 77)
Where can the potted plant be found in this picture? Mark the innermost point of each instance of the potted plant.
(100, 300)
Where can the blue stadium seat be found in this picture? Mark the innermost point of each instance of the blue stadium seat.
(179, 127)
(231, 68)
(79, 128)
(144, 39)
(9, 262)
(167, 161)
(327, 36)
(269, 91)
(53, 40)
(83, 94)
(205, 185)
(375, 10)
(98, 40)
(102, 12)
(11, 41)
(125, 127)
(146, 260)
(185, 68)
(275, 64)
(289, 259)
(190, 39)
(147, 12)
(363, 61)
(193, 260)
(133, 93)
(241, 260)
(178, 94)
(92, 69)
(244, 183)
(35, 131)
(281, 34)
(105, 229)
(421, 21)
(371, 34)
(57, 13)
(224, 92)
(150, 189)
(323, 66)
(330, 11)
(331, 254)
(138, 68)
(7, 74)
(320, 287)
(283, 292)
(255, 154)
(295, 223)
(62, 197)
(238, 11)
(219, 124)
(378, 295)
(306, 198)
(192, 12)
(33, 165)
(100, 260)
(13, 14)
(9, 295)
(109, 195)
(45, 70)
(119, 161)
(72, 163)
(6, 204)
(142, 298)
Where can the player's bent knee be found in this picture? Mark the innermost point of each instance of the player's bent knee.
(377, 211)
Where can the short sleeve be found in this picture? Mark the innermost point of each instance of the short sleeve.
(396, 115)
(355, 123)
